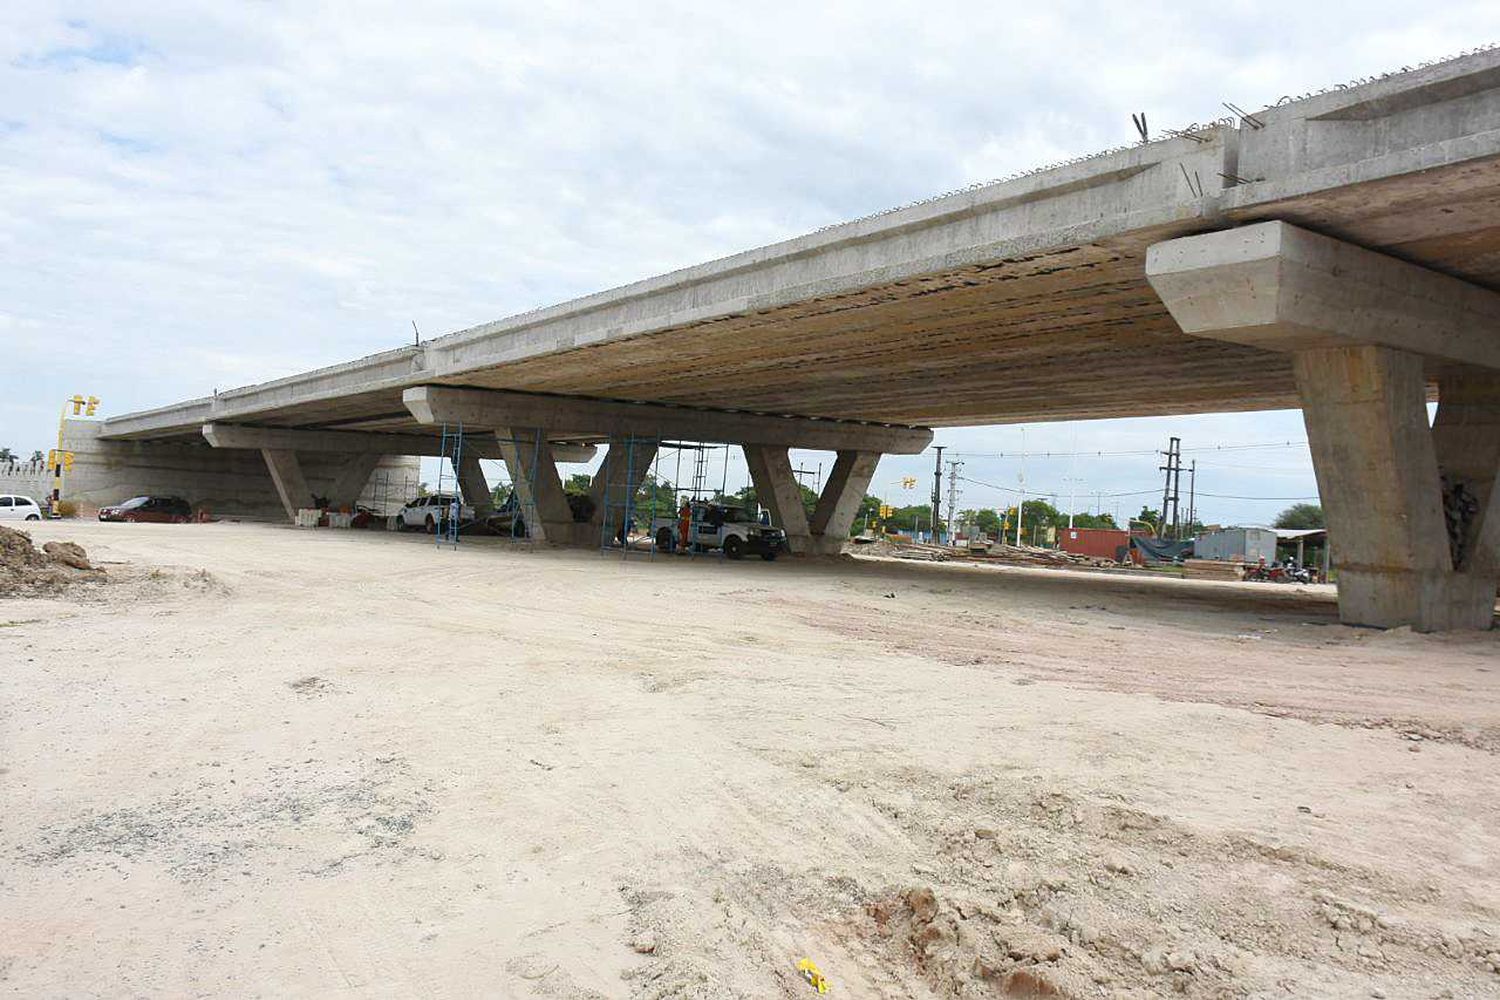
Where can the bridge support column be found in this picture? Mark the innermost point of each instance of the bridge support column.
(1412, 509)
(351, 480)
(623, 472)
(472, 485)
(777, 490)
(833, 517)
(1383, 490)
(291, 484)
(539, 490)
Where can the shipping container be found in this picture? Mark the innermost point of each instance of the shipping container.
(1100, 543)
(1237, 545)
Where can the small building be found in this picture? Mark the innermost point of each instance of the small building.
(1237, 545)
(1099, 543)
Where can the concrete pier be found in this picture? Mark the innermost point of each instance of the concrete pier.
(1366, 334)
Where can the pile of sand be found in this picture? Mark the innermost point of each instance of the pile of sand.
(26, 572)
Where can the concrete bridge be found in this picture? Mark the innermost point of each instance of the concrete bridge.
(1340, 252)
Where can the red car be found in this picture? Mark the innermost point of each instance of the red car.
(164, 510)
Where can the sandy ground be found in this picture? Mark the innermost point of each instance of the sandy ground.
(273, 763)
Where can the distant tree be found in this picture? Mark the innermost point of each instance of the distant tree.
(1087, 520)
(1300, 517)
(578, 482)
(6, 455)
(37, 455)
(984, 519)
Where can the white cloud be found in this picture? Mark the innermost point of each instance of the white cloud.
(197, 195)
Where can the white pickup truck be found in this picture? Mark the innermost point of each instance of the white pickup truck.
(732, 529)
(429, 511)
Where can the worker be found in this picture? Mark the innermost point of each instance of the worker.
(685, 523)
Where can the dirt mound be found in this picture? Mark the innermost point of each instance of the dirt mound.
(26, 572)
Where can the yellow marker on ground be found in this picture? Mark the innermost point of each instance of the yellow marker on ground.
(813, 975)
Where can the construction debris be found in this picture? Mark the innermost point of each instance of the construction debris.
(26, 572)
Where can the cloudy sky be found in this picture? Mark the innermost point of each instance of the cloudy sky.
(206, 195)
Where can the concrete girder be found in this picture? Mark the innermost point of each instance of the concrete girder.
(291, 484)
(1276, 286)
(366, 442)
(351, 480)
(436, 404)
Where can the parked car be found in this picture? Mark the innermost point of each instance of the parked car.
(162, 510)
(426, 512)
(19, 508)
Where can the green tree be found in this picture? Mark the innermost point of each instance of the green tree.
(37, 456)
(984, 519)
(579, 482)
(1087, 520)
(6, 455)
(1301, 516)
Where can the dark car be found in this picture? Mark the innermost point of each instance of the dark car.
(165, 510)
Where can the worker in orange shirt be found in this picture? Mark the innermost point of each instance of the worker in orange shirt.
(685, 523)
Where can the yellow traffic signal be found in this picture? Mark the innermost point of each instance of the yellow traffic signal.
(78, 404)
(908, 482)
(886, 510)
(51, 457)
(93, 404)
(67, 460)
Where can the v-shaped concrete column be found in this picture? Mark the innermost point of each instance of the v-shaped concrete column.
(351, 479)
(539, 491)
(620, 477)
(474, 488)
(777, 490)
(291, 485)
(1411, 509)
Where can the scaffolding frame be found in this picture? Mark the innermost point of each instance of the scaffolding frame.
(617, 501)
(446, 528)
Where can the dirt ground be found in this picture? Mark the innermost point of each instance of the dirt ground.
(263, 762)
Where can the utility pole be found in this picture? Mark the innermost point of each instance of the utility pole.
(1170, 491)
(1021, 482)
(1193, 496)
(954, 464)
(937, 492)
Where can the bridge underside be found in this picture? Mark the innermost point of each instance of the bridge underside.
(1029, 300)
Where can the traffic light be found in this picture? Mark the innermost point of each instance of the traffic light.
(78, 404)
(886, 510)
(908, 482)
(93, 404)
(67, 460)
(52, 458)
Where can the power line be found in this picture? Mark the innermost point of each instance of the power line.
(1122, 454)
(1152, 491)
